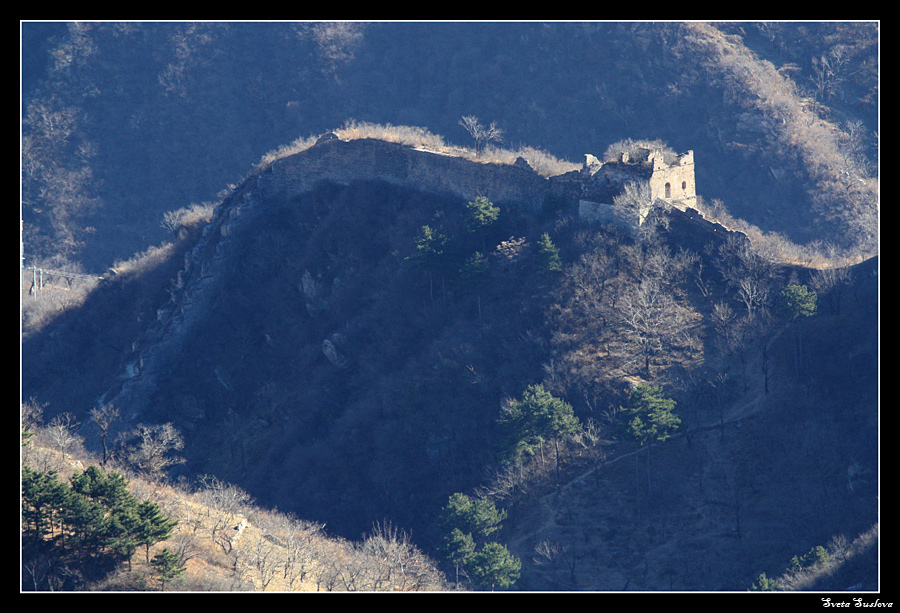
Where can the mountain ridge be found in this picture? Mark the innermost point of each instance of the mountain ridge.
(232, 348)
(342, 162)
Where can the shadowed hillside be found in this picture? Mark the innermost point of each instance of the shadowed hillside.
(315, 355)
(349, 333)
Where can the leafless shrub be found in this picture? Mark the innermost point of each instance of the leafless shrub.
(150, 449)
(225, 503)
(542, 162)
(294, 147)
(412, 136)
(61, 431)
(337, 40)
(31, 413)
(187, 217)
(635, 148)
(395, 562)
(510, 481)
(259, 557)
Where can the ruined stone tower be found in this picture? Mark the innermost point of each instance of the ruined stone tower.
(670, 182)
(673, 183)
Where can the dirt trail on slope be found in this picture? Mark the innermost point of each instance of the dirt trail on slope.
(545, 513)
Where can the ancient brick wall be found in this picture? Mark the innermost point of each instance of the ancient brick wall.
(368, 159)
(343, 162)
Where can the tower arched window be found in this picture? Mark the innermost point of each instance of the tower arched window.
(668, 190)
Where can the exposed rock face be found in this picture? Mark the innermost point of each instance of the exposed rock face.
(330, 347)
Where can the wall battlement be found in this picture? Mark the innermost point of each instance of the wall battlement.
(671, 182)
(335, 160)
(591, 190)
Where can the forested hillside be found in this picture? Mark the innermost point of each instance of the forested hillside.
(89, 523)
(530, 400)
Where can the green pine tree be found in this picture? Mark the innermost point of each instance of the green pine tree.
(167, 566)
(482, 214)
(536, 418)
(493, 566)
(764, 584)
(93, 517)
(796, 301)
(152, 526)
(649, 417)
(432, 254)
(44, 498)
(464, 519)
(458, 548)
(108, 489)
(474, 270)
(120, 508)
(87, 526)
(548, 260)
(479, 516)
(795, 304)
(474, 273)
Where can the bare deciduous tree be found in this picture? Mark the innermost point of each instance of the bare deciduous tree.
(752, 276)
(345, 570)
(829, 72)
(654, 321)
(635, 197)
(301, 548)
(260, 555)
(186, 545)
(754, 293)
(225, 502)
(150, 449)
(481, 134)
(104, 417)
(61, 431)
(337, 40)
(397, 564)
(31, 413)
(552, 555)
(831, 283)
(586, 281)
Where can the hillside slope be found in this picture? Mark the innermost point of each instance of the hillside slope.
(308, 359)
(744, 489)
(223, 541)
(123, 122)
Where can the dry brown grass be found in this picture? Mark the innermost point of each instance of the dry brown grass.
(241, 547)
(776, 247)
(842, 185)
(542, 162)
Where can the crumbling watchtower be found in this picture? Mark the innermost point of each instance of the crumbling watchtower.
(670, 181)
